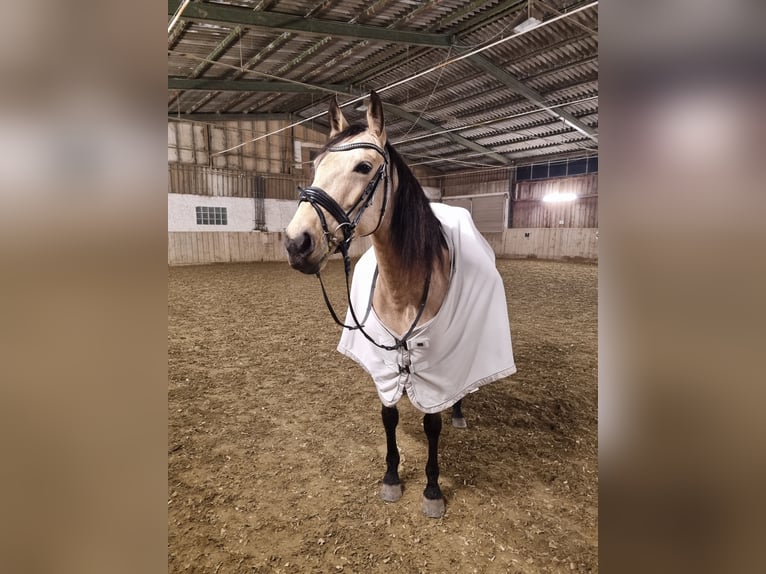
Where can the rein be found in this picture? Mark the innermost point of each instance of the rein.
(319, 198)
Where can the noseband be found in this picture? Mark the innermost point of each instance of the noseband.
(319, 198)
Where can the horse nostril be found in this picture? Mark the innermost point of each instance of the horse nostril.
(305, 247)
(299, 247)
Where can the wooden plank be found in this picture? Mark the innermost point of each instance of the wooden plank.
(180, 249)
(215, 237)
(171, 248)
(187, 248)
(200, 255)
(207, 240)
(224, 241)
(242, 242)
(192, 246)
(270, 247)
(258, 247)
(234, 246)
(210, 246)
(567, 245)
(229, 247)
(233, 239)
(275, 248)
(216, 246)
(251, 251)
(218, 251)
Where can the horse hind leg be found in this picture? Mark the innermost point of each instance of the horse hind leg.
(458, 420)
(433, 499)
(391, 489)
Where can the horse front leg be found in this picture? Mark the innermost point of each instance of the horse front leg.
(433, 500)
(458, 420)
(391, 489)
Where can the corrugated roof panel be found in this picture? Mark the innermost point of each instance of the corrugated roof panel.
(558, 60)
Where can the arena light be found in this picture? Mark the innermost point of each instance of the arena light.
(527, 24)
(559, 197)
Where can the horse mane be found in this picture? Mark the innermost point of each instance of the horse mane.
(416, 233)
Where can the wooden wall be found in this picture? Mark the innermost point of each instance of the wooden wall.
(198, 143)
(528, 209)
(495, 181)
(203, 180)
(543, 243)
(201, 247)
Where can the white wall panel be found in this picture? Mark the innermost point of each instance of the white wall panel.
(279, 212)
(182, 213)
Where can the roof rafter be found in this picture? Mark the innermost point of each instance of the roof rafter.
(231, 15)
(253, 86)
(203, 117)
(532, 95)
(454, 137)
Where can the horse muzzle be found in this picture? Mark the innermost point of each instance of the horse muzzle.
(300, 250)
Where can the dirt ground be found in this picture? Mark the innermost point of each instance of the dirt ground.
(276, 447)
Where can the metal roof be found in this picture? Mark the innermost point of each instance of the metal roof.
(492, 97)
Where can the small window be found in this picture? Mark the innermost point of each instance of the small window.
(578, 167)
(560, 168)
(540, 171)
(211, 216)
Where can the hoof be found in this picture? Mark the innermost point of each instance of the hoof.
(459, 423)
(391, 492)
(433, 508)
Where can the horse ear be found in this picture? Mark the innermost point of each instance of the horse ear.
(338, 123)
(375, 121)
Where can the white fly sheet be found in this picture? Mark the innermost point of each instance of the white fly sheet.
(466, 345)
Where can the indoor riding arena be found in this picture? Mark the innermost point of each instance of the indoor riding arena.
(276, 448)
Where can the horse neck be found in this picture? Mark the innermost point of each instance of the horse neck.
(399, 287)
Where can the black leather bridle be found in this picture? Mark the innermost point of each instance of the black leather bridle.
(319, 199)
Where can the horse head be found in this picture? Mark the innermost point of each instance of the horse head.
(348, 194)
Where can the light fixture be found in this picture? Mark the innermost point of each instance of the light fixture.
(529, 23)
(560, 197)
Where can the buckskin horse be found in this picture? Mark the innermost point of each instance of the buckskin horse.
(427, 315)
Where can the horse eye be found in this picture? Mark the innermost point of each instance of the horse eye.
(363, 167)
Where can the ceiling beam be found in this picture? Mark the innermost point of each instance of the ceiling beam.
(232, 15)
(365, 73)
(404, 114)
(203, 117)
(532, 95)
(253, 86)
(218, 51)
